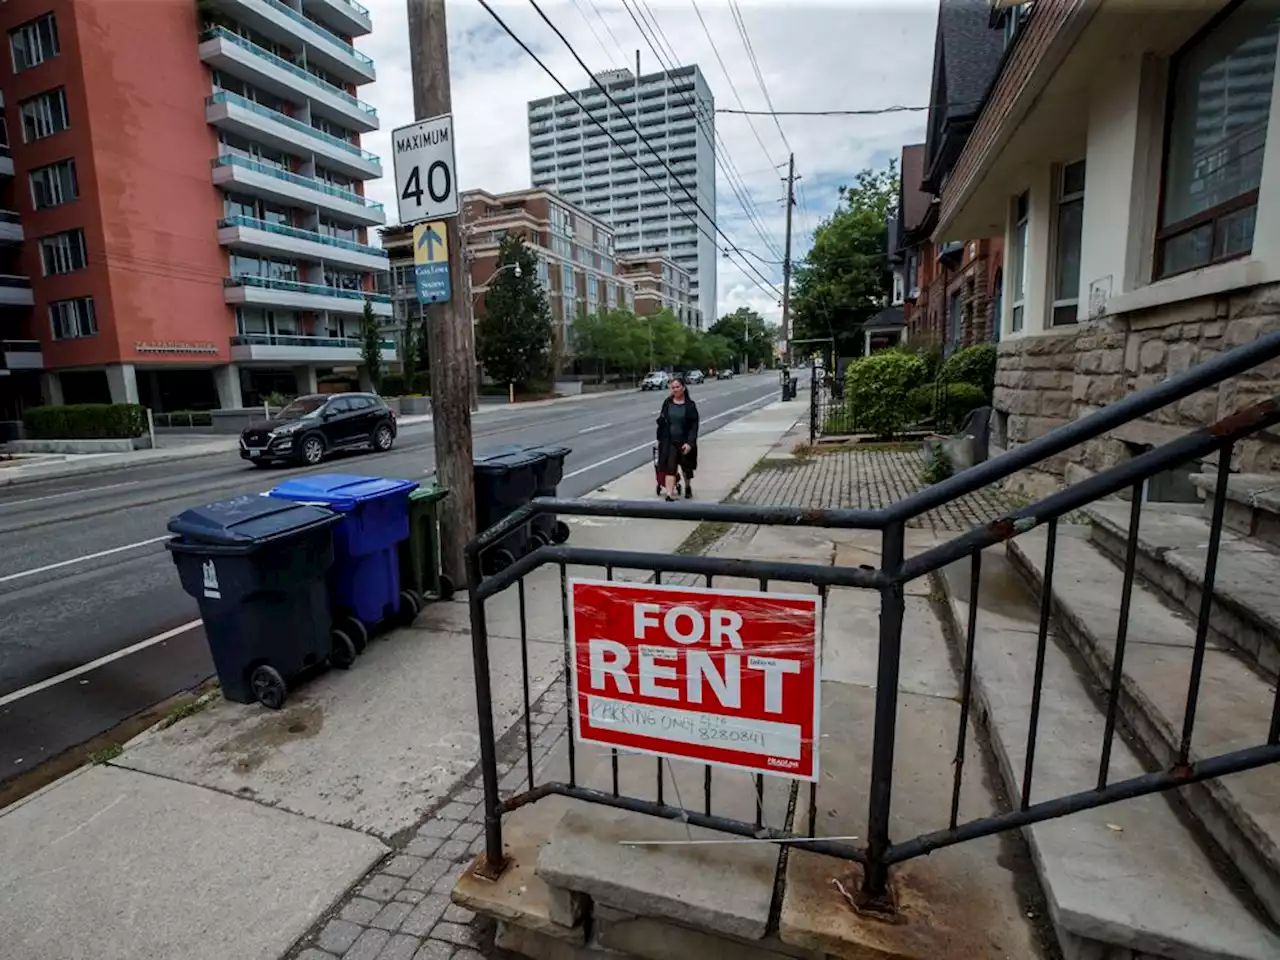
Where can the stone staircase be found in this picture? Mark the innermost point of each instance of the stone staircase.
(1187, 875)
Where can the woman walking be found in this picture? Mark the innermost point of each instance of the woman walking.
(678, 439)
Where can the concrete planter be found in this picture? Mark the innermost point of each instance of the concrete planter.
(568, 388)
(413, 406)
(234, 421)
(393, 404)
(124, 445)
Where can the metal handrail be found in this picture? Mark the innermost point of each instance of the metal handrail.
(225, 34)
(226, 96)
(300, 340)
(327, 35)
(231, 159)
(310, 235)
(295, 286)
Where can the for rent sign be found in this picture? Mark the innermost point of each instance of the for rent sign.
(718, 676)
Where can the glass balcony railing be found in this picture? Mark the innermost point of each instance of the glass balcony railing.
(10, 216)
(250, 223)
(314, 289)
(20, 346)
(363, 11)
(226, 96)
(15, 281)
(292, 340)
(224, 34)
(329, 37)
(232, 160)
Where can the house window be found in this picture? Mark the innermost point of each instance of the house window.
(1220, 96)
(54, 184)
(953, 321)
(44, 115)
(72, 319)
(1018, 291)
(33, 43)
(1066, 265)
(63, 252)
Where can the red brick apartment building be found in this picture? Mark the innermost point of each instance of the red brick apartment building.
(662, 284)
(184, 220)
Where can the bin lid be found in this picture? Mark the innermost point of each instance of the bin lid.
(552, 450)
(341, 491)
(503, 460)
(430, 494)
(247, 519)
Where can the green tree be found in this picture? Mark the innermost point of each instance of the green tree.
(371, 345)
(745, 332)
(845, 276)
(513, 338)
(669, 336)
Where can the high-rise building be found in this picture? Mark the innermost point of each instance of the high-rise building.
(183, 199)
(675, 114)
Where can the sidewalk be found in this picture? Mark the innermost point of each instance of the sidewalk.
(334, 828)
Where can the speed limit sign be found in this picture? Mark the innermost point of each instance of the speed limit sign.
(426, 184)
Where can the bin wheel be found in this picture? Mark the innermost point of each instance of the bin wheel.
(268, 686)
(342, 651)
(560, 532)
(500, 559)
(357, 631)
(445, 588)
(410, 606)
(539, 539)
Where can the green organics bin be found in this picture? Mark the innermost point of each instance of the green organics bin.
(420, 553)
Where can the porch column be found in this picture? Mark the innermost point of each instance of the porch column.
(306, 377)
(866, 343)
(227, 381)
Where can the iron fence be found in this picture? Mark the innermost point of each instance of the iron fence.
(880, 852)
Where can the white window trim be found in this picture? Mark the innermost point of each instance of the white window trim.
(1060, 199)
(1017, 298)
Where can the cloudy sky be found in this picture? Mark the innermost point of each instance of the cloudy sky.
(843, 55)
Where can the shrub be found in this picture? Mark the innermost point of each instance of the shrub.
(393, 385)
(958, 400)
(937, 466)
(920, 402)
(975, 365)
(876, 387)
(86, 421)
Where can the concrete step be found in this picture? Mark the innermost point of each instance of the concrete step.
(1125, 881)
(1173, 542)
(1240, 812)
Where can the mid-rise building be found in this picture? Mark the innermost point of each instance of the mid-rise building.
(186, 184)
(661, 284)
(674, 112)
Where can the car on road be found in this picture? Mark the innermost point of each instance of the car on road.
(657, 380)
(725, 374)
(694, 377)
(314, 426)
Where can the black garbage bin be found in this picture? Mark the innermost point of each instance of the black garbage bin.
(257, 567)
(547, 528)
(505, 480)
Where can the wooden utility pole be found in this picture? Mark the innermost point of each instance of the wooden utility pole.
(786, 263)
(452, 368)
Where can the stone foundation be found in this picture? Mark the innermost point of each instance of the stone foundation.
(1045, 381)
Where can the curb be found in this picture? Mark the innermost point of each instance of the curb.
(108, 468)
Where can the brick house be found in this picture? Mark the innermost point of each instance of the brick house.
(1123, 154)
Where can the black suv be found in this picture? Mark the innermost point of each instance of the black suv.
(314, 425)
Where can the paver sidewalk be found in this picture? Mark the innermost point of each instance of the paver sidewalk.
(335, 827)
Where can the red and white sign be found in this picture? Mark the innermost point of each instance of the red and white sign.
(729, 677)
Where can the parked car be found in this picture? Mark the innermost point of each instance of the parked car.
(657, 380)
(316, 425)
(725, 374)
(694, 377)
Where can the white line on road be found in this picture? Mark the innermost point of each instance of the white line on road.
(603, 426)
(9, 698)
(69, 493)
(87, 556)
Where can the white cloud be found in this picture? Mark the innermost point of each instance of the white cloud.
(813, 56)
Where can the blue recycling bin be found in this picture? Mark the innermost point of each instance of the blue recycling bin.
(364, 582)
(257, 569)
(506, 478)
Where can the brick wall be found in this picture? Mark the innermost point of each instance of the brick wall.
(1045, 381)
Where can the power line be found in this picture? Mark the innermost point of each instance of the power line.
(608, 29)
(582, 13)
(873, 112)
(755, 65)
(768, 286)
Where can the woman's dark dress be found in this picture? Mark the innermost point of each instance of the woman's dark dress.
(678, 425)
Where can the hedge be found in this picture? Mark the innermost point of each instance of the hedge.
(955, 402)
(976, 365)
(86, 421)
(876, 387)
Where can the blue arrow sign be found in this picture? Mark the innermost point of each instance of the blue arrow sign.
(430, 238)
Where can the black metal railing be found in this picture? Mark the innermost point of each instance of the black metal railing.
(880, 851)
(830, 414)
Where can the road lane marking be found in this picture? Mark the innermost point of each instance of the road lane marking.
(649, 444)
(87, 556)
(100, 662)
(603, 426)
(69, 493)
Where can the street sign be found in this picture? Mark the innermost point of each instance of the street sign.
(725, 677)
(423, 157)
(431, 262)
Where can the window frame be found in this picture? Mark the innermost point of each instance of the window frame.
(1020, 254)
(64, 245)
(70, 308)
(1061, 199)
(42, 100)
(33, 25)
(70, 163)
(1219, 212)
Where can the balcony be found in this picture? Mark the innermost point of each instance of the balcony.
(288, 348)
(238, 57)
(6, 161)
(238, 115)
(21, 355)
(265, 292)
(15, 291)
(260, 236)
(265, 181)
(342, 16)
(322, 46)
(10, 227)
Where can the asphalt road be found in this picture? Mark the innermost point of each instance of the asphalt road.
(94, 626)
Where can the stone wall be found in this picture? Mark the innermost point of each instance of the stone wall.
(1045, 381)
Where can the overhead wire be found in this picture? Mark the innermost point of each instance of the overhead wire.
(582, 13)
(767, 286)
(755, 65)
